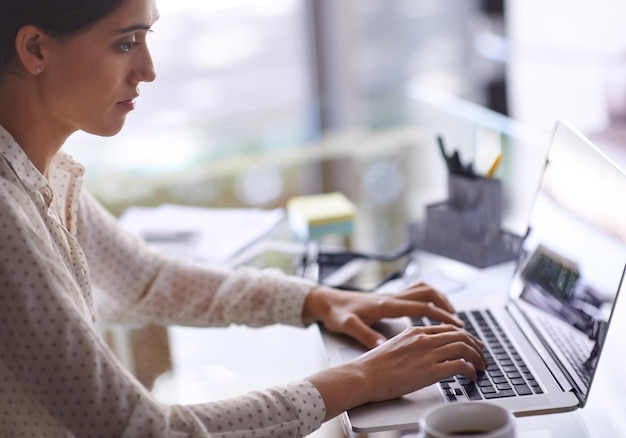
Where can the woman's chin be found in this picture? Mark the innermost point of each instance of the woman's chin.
(105, 131)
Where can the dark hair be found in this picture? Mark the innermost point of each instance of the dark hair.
(55, 17)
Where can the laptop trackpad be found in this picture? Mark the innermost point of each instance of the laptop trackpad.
(401, 413)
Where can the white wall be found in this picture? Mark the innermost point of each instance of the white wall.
(561, 57)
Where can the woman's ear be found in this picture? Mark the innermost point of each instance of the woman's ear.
(29, 47)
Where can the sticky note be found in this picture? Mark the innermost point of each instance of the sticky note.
(312, 216)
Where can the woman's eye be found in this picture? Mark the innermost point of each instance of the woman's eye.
(126, 47)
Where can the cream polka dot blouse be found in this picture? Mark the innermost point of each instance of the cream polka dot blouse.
(65, 266)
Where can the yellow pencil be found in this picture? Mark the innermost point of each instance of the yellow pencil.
(494, 166)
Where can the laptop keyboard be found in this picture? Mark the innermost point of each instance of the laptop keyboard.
(506, 374)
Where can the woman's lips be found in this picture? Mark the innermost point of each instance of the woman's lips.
(128, 104)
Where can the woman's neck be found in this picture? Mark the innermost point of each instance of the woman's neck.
(25, 120)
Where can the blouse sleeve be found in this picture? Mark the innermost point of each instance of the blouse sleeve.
(59, 378)
(135, 284)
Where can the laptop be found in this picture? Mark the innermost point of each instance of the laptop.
(545, 337)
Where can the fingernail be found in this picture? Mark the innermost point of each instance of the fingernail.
(380, 341)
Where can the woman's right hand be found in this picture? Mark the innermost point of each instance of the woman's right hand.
(419, 357)
(414, 359)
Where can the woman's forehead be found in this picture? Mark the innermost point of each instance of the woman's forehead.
(133, 15)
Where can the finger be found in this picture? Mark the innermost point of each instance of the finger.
(452, 345)
(394, 308)
(438, 314)
(420, 289)
(460, 350)
(449, 333)
(424, 292)
(455, 367)
(355, 327)
(445, 335)
(469, 339)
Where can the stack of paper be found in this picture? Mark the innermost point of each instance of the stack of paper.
(211, 234)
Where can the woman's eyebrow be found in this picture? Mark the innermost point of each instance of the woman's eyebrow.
(138, 26)
(134, 28)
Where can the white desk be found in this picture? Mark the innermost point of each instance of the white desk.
(210, 364)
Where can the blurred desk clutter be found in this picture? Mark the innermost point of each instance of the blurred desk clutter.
(208, 234)
(467, 226)
(313, 216)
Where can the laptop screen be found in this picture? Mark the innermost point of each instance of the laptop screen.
(573, 257)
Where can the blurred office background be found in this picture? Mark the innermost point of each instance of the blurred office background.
(259, 100)
(241, 77)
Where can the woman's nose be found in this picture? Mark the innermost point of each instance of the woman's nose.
(149, 70)
(144, 70)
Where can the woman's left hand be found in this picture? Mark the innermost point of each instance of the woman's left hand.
(354, 313)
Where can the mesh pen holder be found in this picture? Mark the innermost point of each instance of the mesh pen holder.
(467, 227)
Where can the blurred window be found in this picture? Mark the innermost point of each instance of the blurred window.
(249, 76)
(232, 75)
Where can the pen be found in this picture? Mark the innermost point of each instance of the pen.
(442, 149)
(496, 163)
(453, 161)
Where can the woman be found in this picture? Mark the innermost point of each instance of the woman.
(65, 264)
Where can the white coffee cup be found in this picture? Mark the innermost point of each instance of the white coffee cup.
(479, 419)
